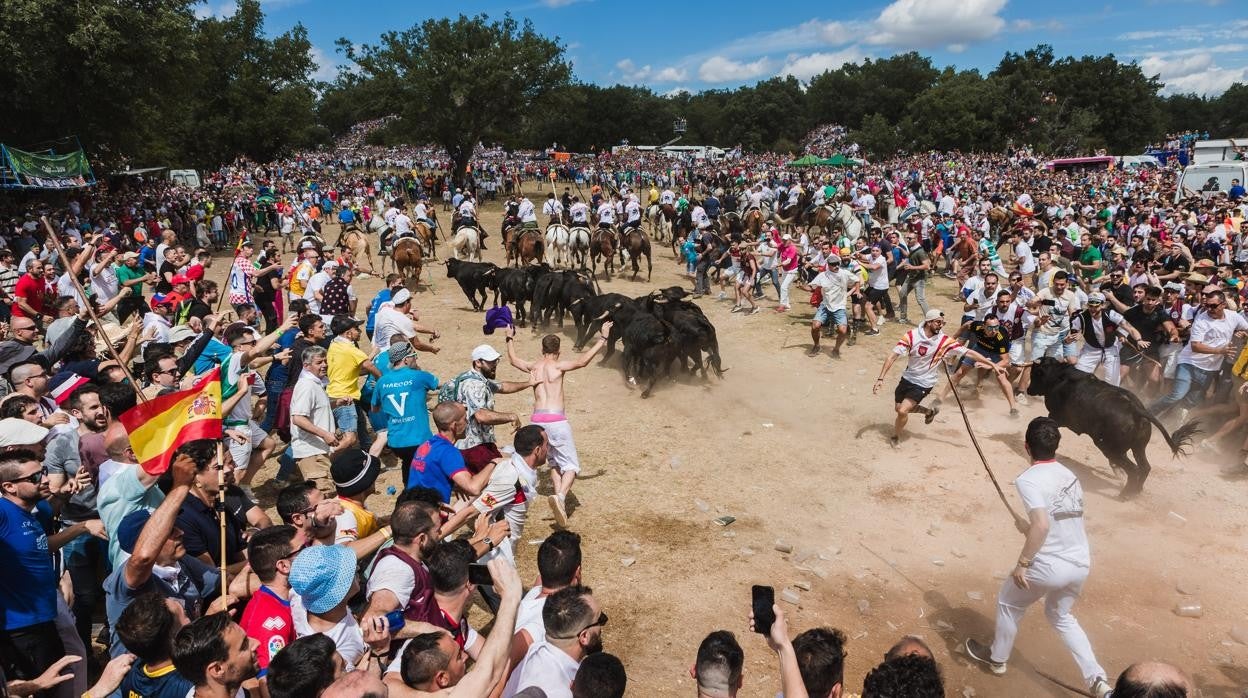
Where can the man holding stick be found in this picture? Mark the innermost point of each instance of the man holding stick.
(1054, 561)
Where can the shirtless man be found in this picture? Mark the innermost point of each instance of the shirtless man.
(546, 374)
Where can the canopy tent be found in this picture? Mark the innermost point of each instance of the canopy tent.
(20, 169)
(805, 161)
(839, 160)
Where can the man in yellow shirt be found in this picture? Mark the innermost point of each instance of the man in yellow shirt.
(355, 476)
(303, 271)
(347, 363)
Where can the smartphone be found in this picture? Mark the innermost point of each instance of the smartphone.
(1052, 303)
(763, 599)
(480, 575)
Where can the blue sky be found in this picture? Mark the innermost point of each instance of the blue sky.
(1194, 45)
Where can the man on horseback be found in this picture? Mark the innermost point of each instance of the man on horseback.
(421, 212)
(553, 210)
(653, 197)
(468, 216)
(579, 212)
(606, 215)
(527, 212)
(632, 213)
(863, 206)
(667, 198)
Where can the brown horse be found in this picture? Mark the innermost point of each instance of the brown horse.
(525, 246)
(408, 260)
(603, 245)
(637, 244)
(753, 222)
(427, 238)
(355, 240)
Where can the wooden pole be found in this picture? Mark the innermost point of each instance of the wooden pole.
(56, 242)
(1019, 521)
(221, 503)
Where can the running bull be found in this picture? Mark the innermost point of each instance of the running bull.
(1115, 419)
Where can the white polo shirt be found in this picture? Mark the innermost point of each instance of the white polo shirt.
(547, 667)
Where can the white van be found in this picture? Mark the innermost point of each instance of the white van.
(1210, 179)
(1206, 152)
(187, 178)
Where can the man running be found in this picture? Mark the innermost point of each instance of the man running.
(925, 347)
(547, 374)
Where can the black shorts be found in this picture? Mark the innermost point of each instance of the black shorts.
(909, 391)
(877, 295)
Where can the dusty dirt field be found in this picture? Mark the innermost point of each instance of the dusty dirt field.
(891, 542)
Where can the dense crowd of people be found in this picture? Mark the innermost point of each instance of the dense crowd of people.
(109, 305)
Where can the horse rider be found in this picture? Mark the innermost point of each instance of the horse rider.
(468, 216)
(606, 217)
(579, 212)
(699, 217)
(667, 198)
(595, 196)
(795, 197)
(755, 199)
(863, 206)
(632, 213)
(553, 210)
(527, 213)
(712, 206)
(421, 211)
(653, 197)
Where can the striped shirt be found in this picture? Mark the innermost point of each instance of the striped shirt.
(924, 354)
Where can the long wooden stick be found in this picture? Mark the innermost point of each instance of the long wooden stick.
(221, 504)
(1063, 684)
(56, 242)
(1018, 520)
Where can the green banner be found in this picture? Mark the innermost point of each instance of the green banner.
(50, 171)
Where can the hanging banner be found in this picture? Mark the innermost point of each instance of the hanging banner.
(47, 171)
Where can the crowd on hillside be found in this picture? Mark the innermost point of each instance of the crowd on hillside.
(1101, 269)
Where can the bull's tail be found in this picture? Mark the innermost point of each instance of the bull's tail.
(1181, 438)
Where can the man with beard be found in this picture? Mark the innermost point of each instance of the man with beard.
(1155, 326)
(574, 623)
(400, 579)
(476, 389)
(216, 655)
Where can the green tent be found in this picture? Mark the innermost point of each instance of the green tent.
(838, 160)
(805, 161)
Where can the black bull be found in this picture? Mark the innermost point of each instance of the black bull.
(1115, 419)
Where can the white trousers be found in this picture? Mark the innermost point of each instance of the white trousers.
(1091, 358)
(1059, 583)
(786, 280)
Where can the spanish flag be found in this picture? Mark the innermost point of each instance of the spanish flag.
(158, 427)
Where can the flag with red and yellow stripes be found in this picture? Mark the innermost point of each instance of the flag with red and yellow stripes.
(158, 427)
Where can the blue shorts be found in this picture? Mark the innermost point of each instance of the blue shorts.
(346, 419)
(823, 316)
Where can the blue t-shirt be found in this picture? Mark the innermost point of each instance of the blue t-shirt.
(346, 216)
(278, 372)
(147, 257)
(400, 394)
(162, 683)
(28, 585)
(214, 354)
(383, 296)
(435, 462)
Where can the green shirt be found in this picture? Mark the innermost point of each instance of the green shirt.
(125, 273)
(1092, 255)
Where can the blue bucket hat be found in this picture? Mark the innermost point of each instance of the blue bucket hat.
(321, 575)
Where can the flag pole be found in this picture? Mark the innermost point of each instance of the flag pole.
(221, 505)
(55, 242)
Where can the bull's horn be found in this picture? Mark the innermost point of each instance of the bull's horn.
(604, 316)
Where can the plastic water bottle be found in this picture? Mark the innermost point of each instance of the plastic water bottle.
(1190, 609)
(391, 490)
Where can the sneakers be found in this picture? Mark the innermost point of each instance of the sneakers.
(894, 442)
(813, 351)
(1101, 688)
(723, 296)
(1013, 411)
(737, 308)
(931, 414)
(556, 508)
(756, 310)
(871, 332)
(983, 654)
(903, 320)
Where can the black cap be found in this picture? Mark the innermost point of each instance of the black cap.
(354, 471)
(342, 323)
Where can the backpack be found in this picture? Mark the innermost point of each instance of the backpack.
(449, 392)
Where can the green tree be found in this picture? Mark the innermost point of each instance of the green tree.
(460, 81)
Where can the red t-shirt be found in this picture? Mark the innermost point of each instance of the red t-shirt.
(32, 291)
(267, 619)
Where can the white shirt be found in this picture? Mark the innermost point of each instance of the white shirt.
(1055, 318)
(606, 213)
(402, 224)
(552, 208)
(526, 211)
(835, 286)
(529, 615)
(421, 211)
(877, 278)
(316, 283)
(547, 667)
(346, 634)
(632, 212)
(986, 301)
(500, 493)
(466, 208)
(310, 400)
(393, 575)
(388, 323)
(667, 197)
(1049, 485)
(1098, 327)
(1026, 263)
(1215, 333)
(924, 355)
(579, 212)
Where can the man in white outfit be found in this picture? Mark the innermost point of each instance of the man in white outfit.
(1053, 564)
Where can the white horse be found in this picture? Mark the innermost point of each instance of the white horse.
(578, 245)
(658, 222)
(557, 244)
(850, 222)
(466, 243)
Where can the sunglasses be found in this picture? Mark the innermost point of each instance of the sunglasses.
(295, 552)
(602, 621)
(37, 476)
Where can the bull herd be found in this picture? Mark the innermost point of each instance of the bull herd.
(657, 330)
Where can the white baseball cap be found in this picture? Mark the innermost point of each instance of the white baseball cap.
(401, 297)
(485, 352)
(19, 432)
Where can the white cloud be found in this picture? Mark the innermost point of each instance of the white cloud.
(676, 91)
(720, 69)
(929, 23)
(558, 3)
(630, 72)
(1027, 25)
(1234, 29)
(1192, 72)
(671, 74)
(217, 10)
(326, 67)
(812, 64)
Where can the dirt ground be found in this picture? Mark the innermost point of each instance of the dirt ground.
(890, 542)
